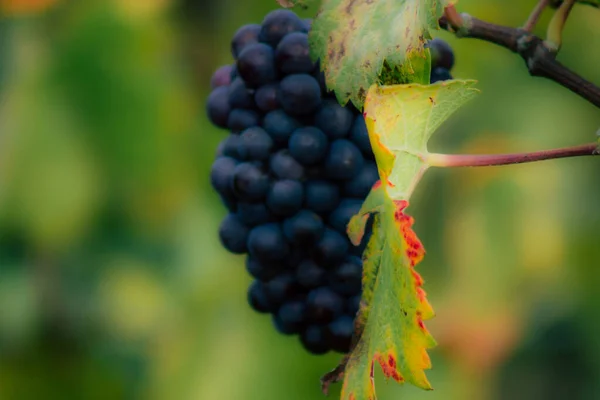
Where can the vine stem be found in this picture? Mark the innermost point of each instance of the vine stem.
(486, 160)
(556, 26)
(535, 15)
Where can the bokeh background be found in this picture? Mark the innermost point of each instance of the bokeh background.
(113, 284)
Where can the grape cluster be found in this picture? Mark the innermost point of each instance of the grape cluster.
(294, 169)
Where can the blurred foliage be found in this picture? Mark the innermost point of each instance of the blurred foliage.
(112, 280)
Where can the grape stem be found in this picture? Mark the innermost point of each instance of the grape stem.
(539, 59)
(486, 160)
(556, 26)
(535, 15)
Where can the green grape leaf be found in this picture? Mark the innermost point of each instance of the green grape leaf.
(389, 326)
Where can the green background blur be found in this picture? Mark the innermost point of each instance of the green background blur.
(113, 284)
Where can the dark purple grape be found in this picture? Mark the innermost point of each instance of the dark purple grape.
(440, 74)
(221, 175)
(291, 54)
(233, 234)
(310, 275)
(339, 218)
(256, 65)
(221, 77)
(346, 278)
(361, 184)
(217, 106)
(267, 244)
(249, 183)
(441, 54)
(284, 166)
(300, 94)
(333, 119)
(313, 339)
(285, 197)
(253, 214)
(240, 119)
(321, 196)
(323, 305)
(239, 95)
(280, 125)
(332, 248)
(281, 288)
(261, 270)
(247, 34)
(344, 160)
(339, 333)
(257, 298)
(303, 228)
(267, 97)
(360, 136)
(308, 145)
(233, 147)
(279, 23)
(257, 144)
(290, 317)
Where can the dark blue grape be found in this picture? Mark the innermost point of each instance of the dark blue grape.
(440, 74)
(291, 54)
(343, 160)
(256, 65)
(339, 218)
(239, 95)
(234, 73)
(230, 202)
(353, 304)
(221, 175)
(280, 125)
(321, 196)
(320, 77)
(308, 145)
(290, 317)
(233, 147)
(333, 119)
(233, 234)
(284, 166)
(281, 288)
(339, 333)
(240, 119)
(441, 54)
(285, 197)
(257, 144)
(361, 184)
(279, 23)
(299, 94)
(261, 270)
(323, 305)
(247, 34)
(304, 228)
(221, 77)
(217, 106)
(310, 275)
(346, 278)
(267, 243)
(249, 183)
(360, 136)
(313, 339)
(257, 298)
(253, 214)
(331, 248)
(267, 97)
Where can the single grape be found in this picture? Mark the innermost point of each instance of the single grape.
(249, 183)
(221, 175)
(308, 145)
(339, 218)
(300, 94)
(233, 147)
(290, 317)
(257, 144)
(313, 339)
(310, 275)
(360, 136)
(280, 125)
(440, 74)
(239, 95)
(257, 298)
(221, 77)
(291, 54)
(277, 24)
(303, 228)
(284, 166)
(266, 243)
(339, 333)
(256, 65)
(321, 196)
(344, 160)
(253, 214)
(361, 184)
(332, 248)
(234, 73)
(261, 270)
(281, 288)
(333, 119)
(441, 54)
(323, 305)
(246, 35)
(285, 197)
(217, 106)
(320, 77)
(267, 97)
(240, 119)
(346, 278)
(233, 234)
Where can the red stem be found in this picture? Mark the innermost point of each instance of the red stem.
(485, 160)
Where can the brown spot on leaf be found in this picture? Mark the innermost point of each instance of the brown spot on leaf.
(349, 7)
(432, 101)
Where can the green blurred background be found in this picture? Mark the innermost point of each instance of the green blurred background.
(113, 284)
